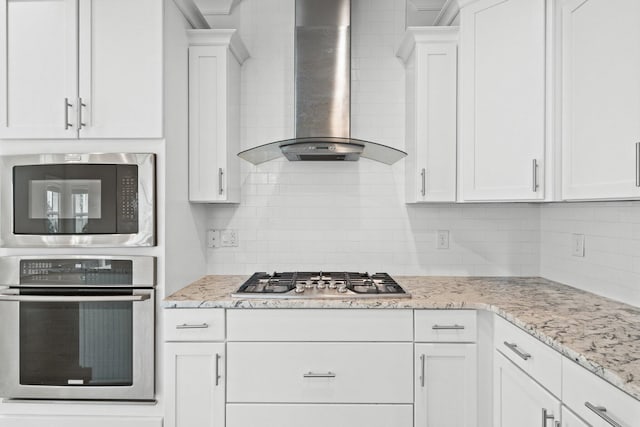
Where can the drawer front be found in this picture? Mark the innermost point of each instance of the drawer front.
(582, 388)
(537, 359)
(193, 324)
(77, 421)
(319, 372)
(445, 325)
(320, 325)
(319, 415)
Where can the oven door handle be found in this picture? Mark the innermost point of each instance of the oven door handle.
(71, 298)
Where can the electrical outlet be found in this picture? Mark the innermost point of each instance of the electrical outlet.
(577, 245)
(229, 238)
(213, 238)
(442, 239)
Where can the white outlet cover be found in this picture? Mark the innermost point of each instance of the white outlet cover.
(442, 239)
(577, 245)
(213, 238)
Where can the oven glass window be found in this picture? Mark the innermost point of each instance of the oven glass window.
(84, 344)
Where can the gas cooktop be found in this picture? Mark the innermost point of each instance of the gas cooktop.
(320, 285)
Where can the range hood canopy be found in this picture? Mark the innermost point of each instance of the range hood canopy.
(323, 92)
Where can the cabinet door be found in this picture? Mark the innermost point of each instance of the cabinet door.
(38, 68)
(121, 68)
(432, 120)
(600, 99)
(518, 400)
(502, 89)
(195, 375)
(569, 419)
(445, 385)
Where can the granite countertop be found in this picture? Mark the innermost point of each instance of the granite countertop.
(600, 334)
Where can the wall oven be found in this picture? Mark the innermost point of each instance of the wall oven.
(77, 327)
(78, 200)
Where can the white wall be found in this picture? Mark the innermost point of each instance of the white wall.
(337, 216)
(611, 265)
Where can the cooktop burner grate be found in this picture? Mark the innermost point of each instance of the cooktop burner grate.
(320, 285)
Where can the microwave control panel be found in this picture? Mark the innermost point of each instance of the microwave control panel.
(127, 199)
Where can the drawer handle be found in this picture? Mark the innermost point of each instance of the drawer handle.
(319, 375)
(446, 327)
(192, 326)
(601, 411)
(546, 417)
(516, 350)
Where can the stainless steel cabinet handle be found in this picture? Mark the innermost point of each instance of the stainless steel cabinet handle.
(601, 411)
(71, 298)
(191, 326)
(217, 369)
(546, 417)
(319, 375)
(220, 186)
(423, 175)
(447, 327)
(81, 104)
(516, 350)
(637, 164)
(535, 186)
(67, 125)
(422, 357)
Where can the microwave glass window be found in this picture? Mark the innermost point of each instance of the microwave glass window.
(87, 343)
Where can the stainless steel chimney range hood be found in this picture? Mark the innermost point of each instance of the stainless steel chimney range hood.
(323, 92)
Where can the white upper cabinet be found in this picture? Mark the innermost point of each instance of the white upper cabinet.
(121, 68)
(502, 95)
(38, 68)
(600, 99)
(81, 69)
(431, 58)
(215, 58)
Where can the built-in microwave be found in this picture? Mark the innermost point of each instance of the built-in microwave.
(103, 200)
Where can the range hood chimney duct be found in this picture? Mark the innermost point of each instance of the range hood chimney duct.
(323, 92)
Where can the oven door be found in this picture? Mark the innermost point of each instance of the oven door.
(77, 344)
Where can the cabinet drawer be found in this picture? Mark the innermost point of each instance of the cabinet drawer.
(319, 415)
(77, 421)
(319, 372)
(445, 325)
(580, 387)
(320, 325)
(193, 324)
(537, 359)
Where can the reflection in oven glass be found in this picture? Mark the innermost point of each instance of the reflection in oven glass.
(88, 343)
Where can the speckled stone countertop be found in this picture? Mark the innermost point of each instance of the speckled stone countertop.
(600, 334)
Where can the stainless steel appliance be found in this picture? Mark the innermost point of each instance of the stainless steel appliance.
(320, 285)
(77, 327)
(323, 92)
(78, 200)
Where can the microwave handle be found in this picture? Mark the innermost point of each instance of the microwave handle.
(70, 298)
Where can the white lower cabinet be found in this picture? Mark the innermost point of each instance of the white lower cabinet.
(569, 419)
(519, 400)
(445, 385)
(343, 415)
(195, 381)
(77, 421)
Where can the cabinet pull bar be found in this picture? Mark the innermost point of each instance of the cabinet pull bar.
(81, 104)
(319, 375)
(534, 187)
(516, 350)
(601, 411)
(192, 326)
(423, 175)
(220, 187)
(422, 370)
(446, 327)
(217, 369)
(67, 125)
(637, 164)
(546, 417)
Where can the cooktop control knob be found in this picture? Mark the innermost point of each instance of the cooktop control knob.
(321, 284)
(332, 285)
(299, 288)
(342, 289)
